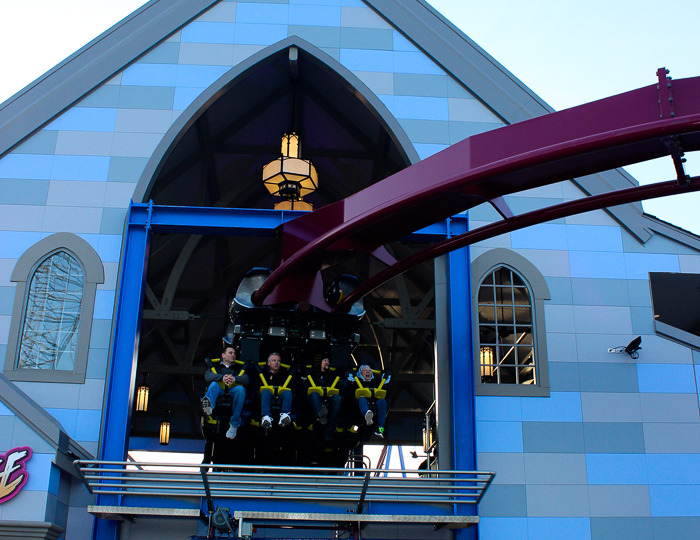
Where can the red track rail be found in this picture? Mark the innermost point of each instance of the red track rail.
(636, 126)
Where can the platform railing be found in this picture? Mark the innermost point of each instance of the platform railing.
(291, 483)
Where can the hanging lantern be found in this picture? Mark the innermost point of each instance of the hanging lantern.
(164, 432)
(290, 177)
(486, 360)
(142, 398)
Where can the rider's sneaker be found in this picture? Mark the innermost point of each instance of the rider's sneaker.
(323, 415)
(266, 422)
(206, 406)
(380, 433)
(231, 433)
(285, 419)
(368, 417)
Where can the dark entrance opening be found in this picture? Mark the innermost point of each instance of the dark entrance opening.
(217, 162)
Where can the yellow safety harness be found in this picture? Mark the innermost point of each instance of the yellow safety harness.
(212, 363)
(369, 393)
(275, 390)
(323, 391)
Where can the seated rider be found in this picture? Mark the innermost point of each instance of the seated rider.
(226, 377)
(366, 380)
(322, 383)
(273, 376)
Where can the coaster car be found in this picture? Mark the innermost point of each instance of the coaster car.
(298, 333)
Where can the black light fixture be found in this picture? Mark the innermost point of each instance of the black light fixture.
(633, 347)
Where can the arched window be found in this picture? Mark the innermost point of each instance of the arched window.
(506, 345)
(50, 330)
(509, 334)
(52, 314)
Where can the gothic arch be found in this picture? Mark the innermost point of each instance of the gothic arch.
(237, 76)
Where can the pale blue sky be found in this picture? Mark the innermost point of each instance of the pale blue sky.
(569, 52)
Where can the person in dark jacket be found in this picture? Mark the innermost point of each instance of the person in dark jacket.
(274, 376)
(226, 376)
(323, 378)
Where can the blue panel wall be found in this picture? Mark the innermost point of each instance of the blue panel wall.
(620, 436)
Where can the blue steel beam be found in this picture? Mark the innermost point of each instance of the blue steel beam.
(240, 221)
(122, 368)
(461, 369)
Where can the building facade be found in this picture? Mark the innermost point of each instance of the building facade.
(178, 104)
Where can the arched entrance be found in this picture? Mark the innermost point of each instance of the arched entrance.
(212, 159)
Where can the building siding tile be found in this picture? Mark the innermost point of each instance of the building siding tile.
(553, 437)
(614, 437)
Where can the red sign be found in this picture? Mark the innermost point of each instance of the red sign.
(13, 473)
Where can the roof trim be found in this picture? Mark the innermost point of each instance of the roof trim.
(42, 100)
(671, 231)
(43, 424)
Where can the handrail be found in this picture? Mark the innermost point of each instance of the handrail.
(287, 483)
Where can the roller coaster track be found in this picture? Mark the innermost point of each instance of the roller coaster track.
(643, 124)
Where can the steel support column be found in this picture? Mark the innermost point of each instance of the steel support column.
(461, 367)
(125, 343)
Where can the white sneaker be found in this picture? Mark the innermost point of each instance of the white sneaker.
(368, 417)
(231, 433)
(285, 419)
(206, 406)
(266, 422)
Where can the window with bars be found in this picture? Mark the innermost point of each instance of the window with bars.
(506, 345)
(52, 314)
(509, 331)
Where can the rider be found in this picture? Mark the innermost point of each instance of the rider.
(322, 378)
(226, 376)
(275, 377)
(366, 379)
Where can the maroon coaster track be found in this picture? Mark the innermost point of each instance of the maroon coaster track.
(643, 124)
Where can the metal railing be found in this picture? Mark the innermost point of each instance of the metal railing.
(291, 483)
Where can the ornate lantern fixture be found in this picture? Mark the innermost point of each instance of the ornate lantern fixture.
(164, 432)
(291, 177)
(142, 398)
(486, 360)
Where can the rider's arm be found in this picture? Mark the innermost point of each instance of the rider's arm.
(242, 378)
(210, 376)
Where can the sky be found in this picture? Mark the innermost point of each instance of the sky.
(569, 52)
